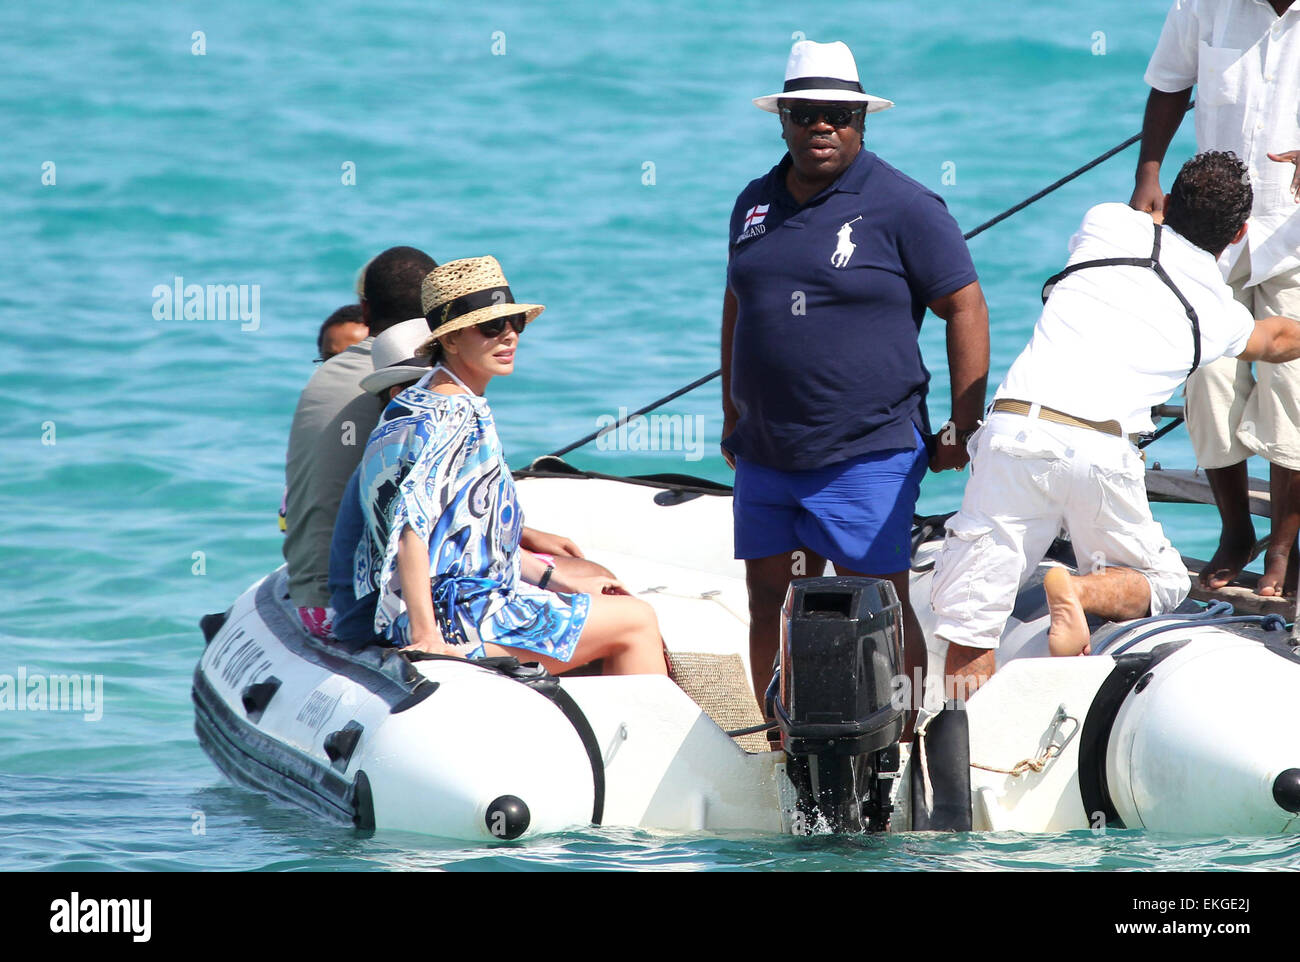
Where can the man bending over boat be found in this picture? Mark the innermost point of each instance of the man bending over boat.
(1057, 448)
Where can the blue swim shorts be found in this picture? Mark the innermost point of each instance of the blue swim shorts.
(858, 513)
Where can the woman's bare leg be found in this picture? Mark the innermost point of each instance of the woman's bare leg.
(581, 568)
(620, 629)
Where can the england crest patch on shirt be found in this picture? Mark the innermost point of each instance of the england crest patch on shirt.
(753, 225)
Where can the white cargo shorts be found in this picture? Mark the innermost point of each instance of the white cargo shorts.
(1029, 479)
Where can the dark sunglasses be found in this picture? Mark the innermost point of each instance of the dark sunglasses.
(497, 325)
(805, 115)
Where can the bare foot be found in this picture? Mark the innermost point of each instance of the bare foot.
(1278, 578)
(1068, 634)
(1231, 556)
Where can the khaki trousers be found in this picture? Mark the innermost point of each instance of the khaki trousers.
(1233, 413)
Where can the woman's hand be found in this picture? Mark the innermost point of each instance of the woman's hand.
(433, 644)
(543, 542)
(590, 585)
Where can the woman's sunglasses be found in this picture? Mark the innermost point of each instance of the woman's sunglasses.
(805, 115)
(497, 325)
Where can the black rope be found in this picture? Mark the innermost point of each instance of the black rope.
(637, 413)
(1101, 158)
(1161, 433)
(674, 482)
(766, 726)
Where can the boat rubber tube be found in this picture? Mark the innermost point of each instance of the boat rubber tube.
(1095, 736)
(543, 682)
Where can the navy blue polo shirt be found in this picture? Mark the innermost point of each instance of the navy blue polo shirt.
(825, 362)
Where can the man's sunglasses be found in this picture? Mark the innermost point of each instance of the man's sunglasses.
(805, 115)
(497, 325)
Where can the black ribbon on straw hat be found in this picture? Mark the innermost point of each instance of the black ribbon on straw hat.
(476, 300)
(467, 292)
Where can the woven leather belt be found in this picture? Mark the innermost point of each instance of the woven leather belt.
(1060, 417)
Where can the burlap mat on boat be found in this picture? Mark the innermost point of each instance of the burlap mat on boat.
(718, 684)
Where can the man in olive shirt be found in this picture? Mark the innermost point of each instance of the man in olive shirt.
(331, 425)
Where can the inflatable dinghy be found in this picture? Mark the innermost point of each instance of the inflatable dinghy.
(1184, 723)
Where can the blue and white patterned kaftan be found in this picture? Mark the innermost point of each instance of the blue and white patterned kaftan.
(434, 462)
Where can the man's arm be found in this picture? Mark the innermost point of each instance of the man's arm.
(1290, 157)
(967, 315)
(1163, 115)
(729, 415)
(1275, 340)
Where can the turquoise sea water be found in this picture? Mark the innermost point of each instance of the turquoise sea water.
(131, 443)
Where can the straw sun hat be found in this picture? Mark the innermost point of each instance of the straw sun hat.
(463, 293)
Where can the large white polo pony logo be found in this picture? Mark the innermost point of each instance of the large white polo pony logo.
(844, 246)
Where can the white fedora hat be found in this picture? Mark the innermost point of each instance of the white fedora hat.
(393, 353)
(822, 71)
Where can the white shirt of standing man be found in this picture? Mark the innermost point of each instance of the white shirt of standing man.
(1245, 62)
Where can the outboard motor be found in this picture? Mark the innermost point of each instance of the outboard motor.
(841, 649)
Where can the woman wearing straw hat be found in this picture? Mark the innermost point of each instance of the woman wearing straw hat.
(441, 545)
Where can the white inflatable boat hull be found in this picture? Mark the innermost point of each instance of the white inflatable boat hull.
(1204, 745)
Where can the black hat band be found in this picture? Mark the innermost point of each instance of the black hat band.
(466, 303)
(821, 83)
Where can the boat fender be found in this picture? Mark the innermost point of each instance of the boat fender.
(1094, 739)
(1286, 790)
(507, 817)
(339, 745)
(942, 758)
(211, 624)
(257, 696)
(363, 803)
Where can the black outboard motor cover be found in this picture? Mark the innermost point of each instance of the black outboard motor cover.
(841, 651)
